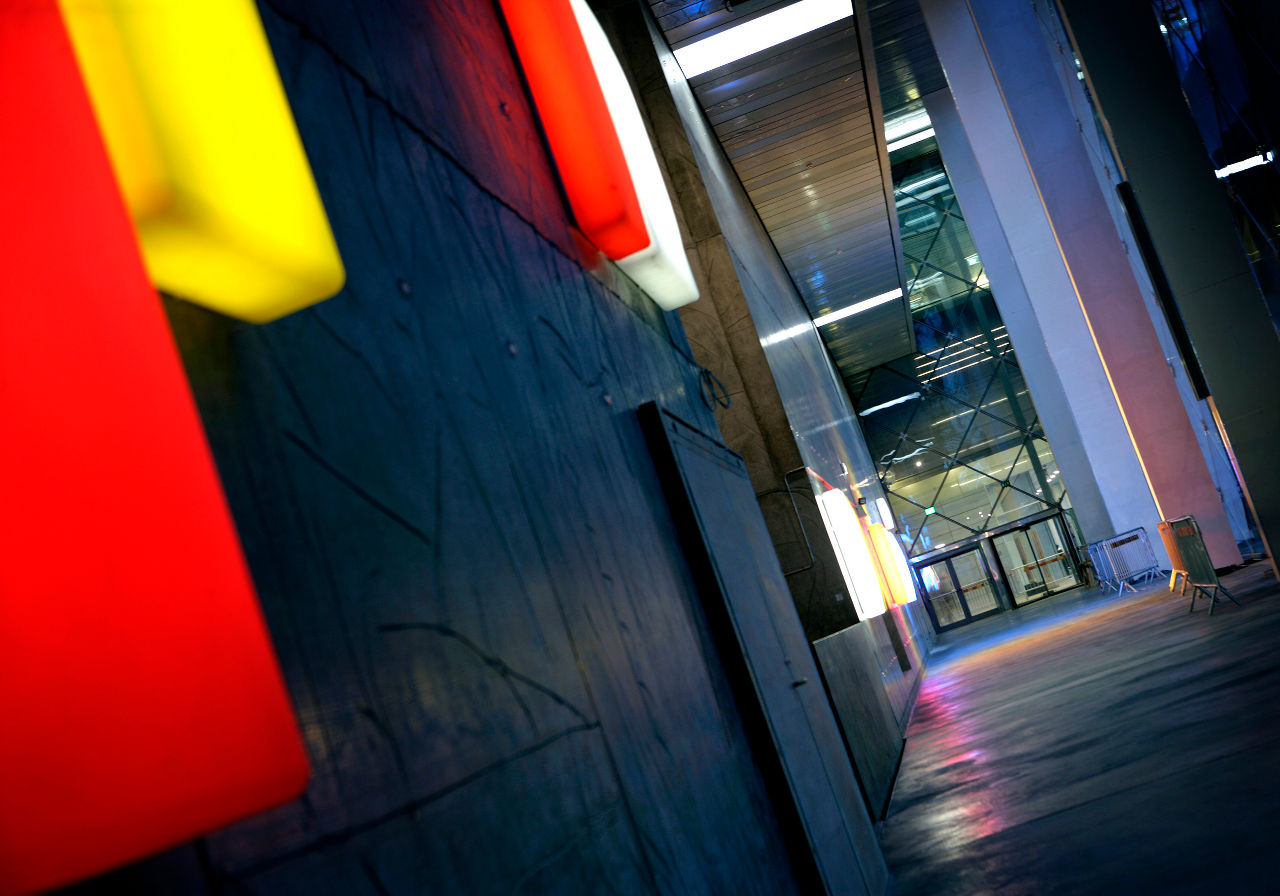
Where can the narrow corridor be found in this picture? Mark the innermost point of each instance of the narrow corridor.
(1097, 744)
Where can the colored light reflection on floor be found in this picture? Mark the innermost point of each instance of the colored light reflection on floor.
(963, 813)
(969, 799)
(141, 700)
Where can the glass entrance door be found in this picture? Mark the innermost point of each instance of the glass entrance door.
(1037, 561)
(958, 590)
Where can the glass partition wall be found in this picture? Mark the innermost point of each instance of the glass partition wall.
(957, 441)
(956, 437)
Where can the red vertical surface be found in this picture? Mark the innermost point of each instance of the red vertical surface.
(578, 125)
(140, 702)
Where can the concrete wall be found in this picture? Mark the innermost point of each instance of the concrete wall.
(499, 661)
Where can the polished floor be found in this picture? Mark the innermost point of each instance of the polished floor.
(1097, 744)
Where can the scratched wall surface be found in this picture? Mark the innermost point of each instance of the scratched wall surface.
(474, 585)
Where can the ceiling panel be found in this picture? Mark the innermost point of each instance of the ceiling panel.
(801, 132)
(906, 64)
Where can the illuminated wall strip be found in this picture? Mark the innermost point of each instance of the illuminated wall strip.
(760, 34)
(853, 555)
(600, 145)
(893, 562)
(205, 149)
(575, 118)
(141, 700)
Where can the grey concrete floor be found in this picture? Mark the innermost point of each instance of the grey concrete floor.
(1097, 744)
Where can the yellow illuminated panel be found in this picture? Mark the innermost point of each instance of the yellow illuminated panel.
(206, 152)
(849, 540)
(893, 564)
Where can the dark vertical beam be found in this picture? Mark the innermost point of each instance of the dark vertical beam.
(1194, 235)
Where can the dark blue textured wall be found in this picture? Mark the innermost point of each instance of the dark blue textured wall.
(489, 631)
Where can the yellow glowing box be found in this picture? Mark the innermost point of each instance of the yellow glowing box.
(206, 153)
(853, 555)
(893, 564)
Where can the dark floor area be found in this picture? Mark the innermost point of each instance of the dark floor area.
(1098, 744)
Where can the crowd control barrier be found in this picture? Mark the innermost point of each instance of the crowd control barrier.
(1123, 559)
(1191, 561)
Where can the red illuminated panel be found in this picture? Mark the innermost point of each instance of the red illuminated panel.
(578, 125)
(601, 146)
(139, 694)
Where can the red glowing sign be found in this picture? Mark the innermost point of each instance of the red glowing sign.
(575, 117)
(599, 143)
(141, 701)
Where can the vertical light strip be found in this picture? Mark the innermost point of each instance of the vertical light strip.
(852, 553)
(662, 268)
(575, 118)
(894, 563)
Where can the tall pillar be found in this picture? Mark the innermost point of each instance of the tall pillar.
(1133, 82)
(1122, 397)
(1044, 379)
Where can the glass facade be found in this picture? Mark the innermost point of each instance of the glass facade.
(954, 433)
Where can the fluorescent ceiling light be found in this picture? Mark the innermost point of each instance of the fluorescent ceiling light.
(889, 404)
(857, 307)
(906, 125)
(760, 34)
(1237, 167)
(908, 141)
(922, 182)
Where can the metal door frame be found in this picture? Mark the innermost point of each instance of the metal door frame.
(1073, 559)
(947, 558)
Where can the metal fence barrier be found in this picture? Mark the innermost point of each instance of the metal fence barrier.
(1191, 561)
(1121, 560)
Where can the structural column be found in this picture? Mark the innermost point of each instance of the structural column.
(1120, 394)
(1133, 81)
(1044, 379)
